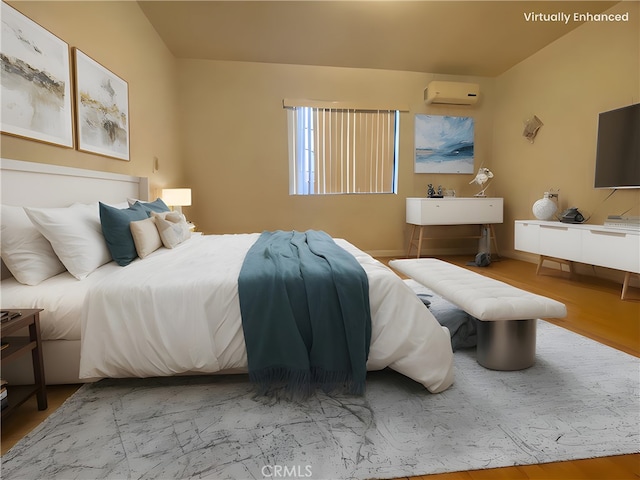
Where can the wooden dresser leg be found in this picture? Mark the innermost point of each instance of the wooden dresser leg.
(625, 285)
(560, 261)
(571, 270)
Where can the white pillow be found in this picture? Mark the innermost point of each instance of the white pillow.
(26, 253)
(173, 228)
(145, 236)
(75, 234)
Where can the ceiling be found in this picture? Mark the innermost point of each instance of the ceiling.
(483, 38)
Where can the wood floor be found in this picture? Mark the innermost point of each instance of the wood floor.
(594, 310)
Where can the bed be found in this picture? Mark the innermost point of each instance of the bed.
(176, 310)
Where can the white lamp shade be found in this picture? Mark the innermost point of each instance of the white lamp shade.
(177, 197)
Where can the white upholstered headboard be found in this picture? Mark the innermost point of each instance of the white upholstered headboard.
(32, 184)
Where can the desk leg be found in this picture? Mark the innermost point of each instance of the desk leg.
(495, 240)
(38, 363)
(413, 233)
(421, 227)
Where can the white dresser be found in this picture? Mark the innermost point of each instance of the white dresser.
(599, 245)
(423, 212)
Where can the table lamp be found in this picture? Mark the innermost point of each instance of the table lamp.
(177, 198)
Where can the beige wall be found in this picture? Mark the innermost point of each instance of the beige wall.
(593, 69)
(219, 127)
(119, 36)
(235, 152)
(235, 148)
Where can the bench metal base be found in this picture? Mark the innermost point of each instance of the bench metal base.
(506, 344)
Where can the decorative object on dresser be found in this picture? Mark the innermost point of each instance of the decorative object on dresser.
(35, 82)
(546, 207)
(17, 346)
(483, 178)
(102, 105)
(428, 212)
(433, 193)
(599, 245)
(572, 215)
(621, 221)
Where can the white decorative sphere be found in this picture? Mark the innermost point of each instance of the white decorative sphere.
(544, 209)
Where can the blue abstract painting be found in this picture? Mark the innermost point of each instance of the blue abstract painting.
(443, 144)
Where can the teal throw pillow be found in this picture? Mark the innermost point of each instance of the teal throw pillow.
(156, 206)
(115, 228)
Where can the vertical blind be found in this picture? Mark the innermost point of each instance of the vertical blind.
(339, 150)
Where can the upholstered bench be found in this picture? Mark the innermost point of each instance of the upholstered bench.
(508, 315)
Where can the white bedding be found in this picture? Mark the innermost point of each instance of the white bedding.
(61, 298)
(177, 311)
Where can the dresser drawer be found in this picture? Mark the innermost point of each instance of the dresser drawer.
(613, 249)
(561, 242)
(527, 237)
(454, 211)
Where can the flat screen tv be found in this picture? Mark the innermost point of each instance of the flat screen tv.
(618, 151)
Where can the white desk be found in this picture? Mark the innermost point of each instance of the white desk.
(481, 211)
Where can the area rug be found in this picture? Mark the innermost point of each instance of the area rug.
(579, 400)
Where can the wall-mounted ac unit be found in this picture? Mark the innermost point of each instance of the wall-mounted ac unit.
(454, 93)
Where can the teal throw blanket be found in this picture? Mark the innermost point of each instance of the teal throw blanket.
(305, 313)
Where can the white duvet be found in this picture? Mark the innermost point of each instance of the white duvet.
(177, 311)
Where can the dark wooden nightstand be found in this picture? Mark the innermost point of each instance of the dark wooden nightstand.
(21, 345)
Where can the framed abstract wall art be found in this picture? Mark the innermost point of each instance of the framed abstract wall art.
(443, 144)
(35, 85)
(102, 105)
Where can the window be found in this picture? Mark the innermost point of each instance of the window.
(342, 150)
